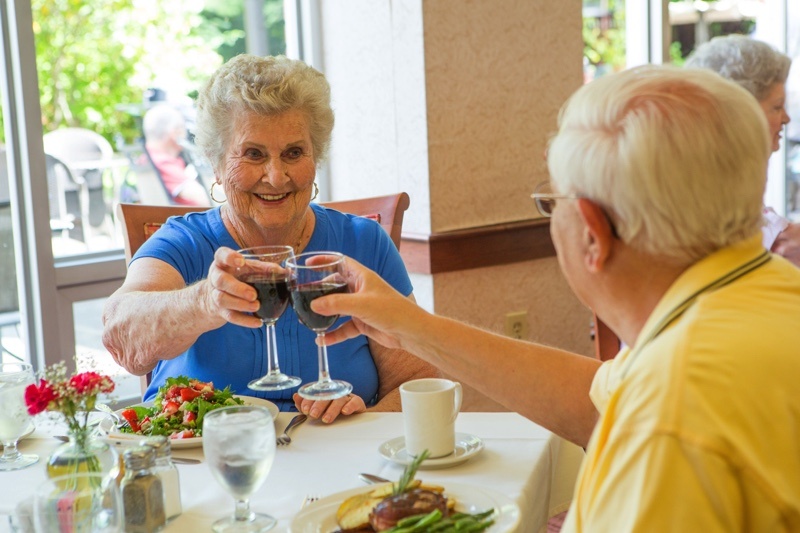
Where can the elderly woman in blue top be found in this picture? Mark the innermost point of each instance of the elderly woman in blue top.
(264, 123)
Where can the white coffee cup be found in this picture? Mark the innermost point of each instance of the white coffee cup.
(430, 407)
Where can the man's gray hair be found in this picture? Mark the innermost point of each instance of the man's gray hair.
(753, 64)
(676, 157)
(265, 86)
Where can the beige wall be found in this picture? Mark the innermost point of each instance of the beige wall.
(496, 74)
(453, 102)
(482, 296)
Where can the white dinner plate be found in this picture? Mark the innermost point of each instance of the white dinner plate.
(467, 446)
(107, 425)
(320, 516)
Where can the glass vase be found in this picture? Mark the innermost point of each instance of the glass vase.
(84, 453)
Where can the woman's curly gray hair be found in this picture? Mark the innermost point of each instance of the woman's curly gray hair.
(263, 86)
(754, 65)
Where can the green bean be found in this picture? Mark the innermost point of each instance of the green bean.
(441, 525)
(422, 525)
(479, 526)
(411, 520)
(433, 522)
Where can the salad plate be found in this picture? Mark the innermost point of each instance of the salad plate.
(320, 516)
(467, 446)
(116, 437)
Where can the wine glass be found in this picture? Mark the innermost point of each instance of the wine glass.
(78, 502)
(315, 274)
(239, 444)
(14, 418)
(264, 270)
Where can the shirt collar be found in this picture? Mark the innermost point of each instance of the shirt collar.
(700, 275)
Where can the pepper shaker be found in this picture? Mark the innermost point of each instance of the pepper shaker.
(142, 492)
(166, 470)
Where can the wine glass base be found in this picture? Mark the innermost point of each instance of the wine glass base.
(22, 461)
(260, 522)
(274, 382)
(325, 390)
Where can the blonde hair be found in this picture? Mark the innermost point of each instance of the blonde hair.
(677, 157)
(263, 86)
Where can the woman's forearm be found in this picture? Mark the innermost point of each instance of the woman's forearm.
(143, 327)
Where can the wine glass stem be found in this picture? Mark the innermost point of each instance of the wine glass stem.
(242, 513)
(273, 368)
(322, 353)
(10, 452)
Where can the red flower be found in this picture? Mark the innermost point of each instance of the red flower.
(91, 383)
(37, 398)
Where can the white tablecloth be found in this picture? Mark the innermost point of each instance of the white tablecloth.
(520, 459)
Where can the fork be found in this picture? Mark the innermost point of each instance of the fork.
(284, 439)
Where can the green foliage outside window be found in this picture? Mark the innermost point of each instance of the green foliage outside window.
(94, 56)
(604, 40)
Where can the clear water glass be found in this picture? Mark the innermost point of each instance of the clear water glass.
(14, 418)
(239, 445)
(78, 502)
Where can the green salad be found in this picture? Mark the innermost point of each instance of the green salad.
(178, 409)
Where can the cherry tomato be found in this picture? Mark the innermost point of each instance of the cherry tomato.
(171, 408)
(132, 418)
(189, 416)
(187, 394)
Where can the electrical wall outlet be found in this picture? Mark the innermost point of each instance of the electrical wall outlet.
(517, 325)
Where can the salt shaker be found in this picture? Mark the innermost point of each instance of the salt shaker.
(166, 470)
(142, 492)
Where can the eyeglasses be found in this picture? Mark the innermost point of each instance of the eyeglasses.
(546, 200)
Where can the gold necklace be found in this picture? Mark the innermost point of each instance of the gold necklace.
(240, 241)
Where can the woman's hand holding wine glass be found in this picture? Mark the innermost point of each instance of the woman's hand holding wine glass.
(265, 270)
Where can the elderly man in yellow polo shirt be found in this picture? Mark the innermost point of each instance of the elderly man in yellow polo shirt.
(657, 183)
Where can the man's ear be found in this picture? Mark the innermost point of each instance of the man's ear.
(598, 234)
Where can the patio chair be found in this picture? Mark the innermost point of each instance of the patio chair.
(78, 148)
(9, 296)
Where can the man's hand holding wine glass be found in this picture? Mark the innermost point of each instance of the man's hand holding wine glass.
(375, 308)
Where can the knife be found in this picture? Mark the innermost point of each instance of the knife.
(372, 479)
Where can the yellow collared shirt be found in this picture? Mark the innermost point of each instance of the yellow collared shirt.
(699, 429)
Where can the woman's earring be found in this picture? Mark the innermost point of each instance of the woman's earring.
(316, 192)
(211, 193)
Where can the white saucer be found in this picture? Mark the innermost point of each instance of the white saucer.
(467, 446)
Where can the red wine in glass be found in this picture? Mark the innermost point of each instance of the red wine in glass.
(306, 293)
(316, 274)
(272, 294)
(265, 270)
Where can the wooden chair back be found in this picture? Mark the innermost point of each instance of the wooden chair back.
(606, 342)
(141, 221)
